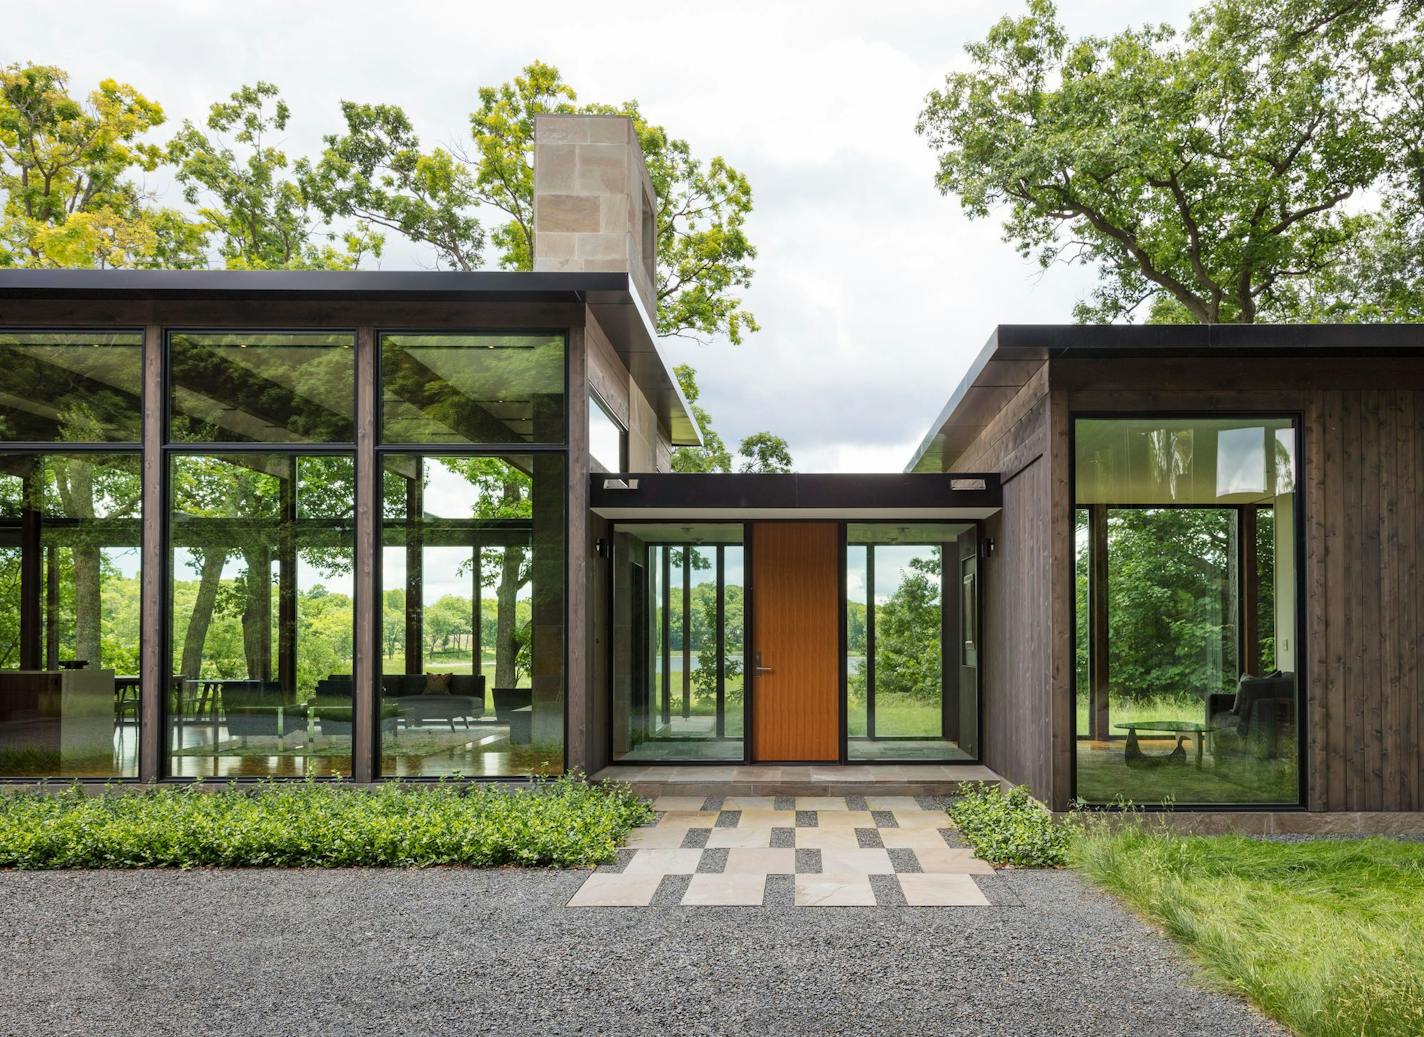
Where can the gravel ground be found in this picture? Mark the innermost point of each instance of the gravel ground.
(469, 952)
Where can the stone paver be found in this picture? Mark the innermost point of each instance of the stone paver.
(728, 856)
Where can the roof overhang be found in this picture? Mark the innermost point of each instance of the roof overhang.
(1015, 352)
(609, 295)
(938, 496)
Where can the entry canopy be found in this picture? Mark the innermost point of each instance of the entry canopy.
(938, 495)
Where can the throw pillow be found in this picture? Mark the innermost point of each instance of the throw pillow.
(437, 683)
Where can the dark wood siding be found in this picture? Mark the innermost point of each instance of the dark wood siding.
(1017, 581)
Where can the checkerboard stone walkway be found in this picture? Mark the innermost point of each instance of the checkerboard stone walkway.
(817, 851)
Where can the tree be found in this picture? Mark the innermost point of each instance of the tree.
(1204, 176)
(712, 455)
(377, 173)
(65, 165)
(760, 452)
(763, 452)
(263, 220)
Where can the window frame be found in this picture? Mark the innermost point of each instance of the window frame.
(1297, 419)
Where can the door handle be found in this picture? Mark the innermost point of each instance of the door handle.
(758, 669)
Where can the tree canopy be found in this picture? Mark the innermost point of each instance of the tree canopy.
(1233, 172)
(759, 452)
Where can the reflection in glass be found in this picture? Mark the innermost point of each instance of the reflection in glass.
(1185, 610)
(912, 656)
(605, 438)
(471, 389)
(678, 642)
(262, 387)
(74, 387)
(472, 594)
(69, 615)
(261, 558)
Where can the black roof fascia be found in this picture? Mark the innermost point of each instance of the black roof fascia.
(726, 490)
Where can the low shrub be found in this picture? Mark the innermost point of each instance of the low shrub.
(1010, 829)
(564, 823)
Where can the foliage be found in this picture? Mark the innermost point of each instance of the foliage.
(908, 633)
(1322, 935)
(1203, 174)
(263, 220)
(64, 176)
(377, 173)
(704, 254)
(759, 452)
(764, 452)
(566, 823)
(1010, 829)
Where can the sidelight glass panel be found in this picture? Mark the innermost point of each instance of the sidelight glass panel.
(73, 387)
(69, 615)
(472, 389)
(911, 642)
(678, 642)
(256, 387)
(261, 599)
(1186, 610)
(472, 589)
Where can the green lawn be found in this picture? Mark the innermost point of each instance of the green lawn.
(1324, 936)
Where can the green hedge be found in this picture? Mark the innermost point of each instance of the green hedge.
(1010, 829)
(565, 823)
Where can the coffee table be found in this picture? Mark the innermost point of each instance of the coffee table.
(1134, 755)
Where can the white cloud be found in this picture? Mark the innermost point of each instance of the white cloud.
(874, 291)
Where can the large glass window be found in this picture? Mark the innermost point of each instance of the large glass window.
(472, 646)
(912, 686)
(69, 614)
(256, 387)
(261, 599)
(76, 387)
(472, 389)
(1185, 612)
(678, 642)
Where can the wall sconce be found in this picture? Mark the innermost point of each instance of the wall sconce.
(988, 547)
(600, 547)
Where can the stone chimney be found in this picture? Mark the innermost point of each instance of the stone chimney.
(594, 206)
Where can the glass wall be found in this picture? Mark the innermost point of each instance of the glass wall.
(472, 589)
(678, 642)
(1185, 612)
(72, 387)
(262, 597)
(912, 685)
(257, 387)
(459, 389)
(69, 614)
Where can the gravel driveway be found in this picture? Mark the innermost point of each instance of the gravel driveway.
(446, 951)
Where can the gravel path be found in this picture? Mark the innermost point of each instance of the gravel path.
(460, 952)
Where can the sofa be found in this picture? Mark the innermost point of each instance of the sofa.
(1258, 719)
(415, 704)
(257, 708)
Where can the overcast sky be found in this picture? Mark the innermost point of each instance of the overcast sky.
(874, 292)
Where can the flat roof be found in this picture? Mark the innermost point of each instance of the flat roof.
(1014, 352)
(610, 295)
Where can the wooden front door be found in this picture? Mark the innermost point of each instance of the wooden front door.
(795, 641)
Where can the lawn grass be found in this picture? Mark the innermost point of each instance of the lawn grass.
(1326, 936)
(564, 823)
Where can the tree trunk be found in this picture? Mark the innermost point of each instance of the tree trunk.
(506, 646)
(197, 632)
(75, 480)
(257, 615)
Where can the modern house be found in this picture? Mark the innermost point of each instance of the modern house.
(422, 525)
